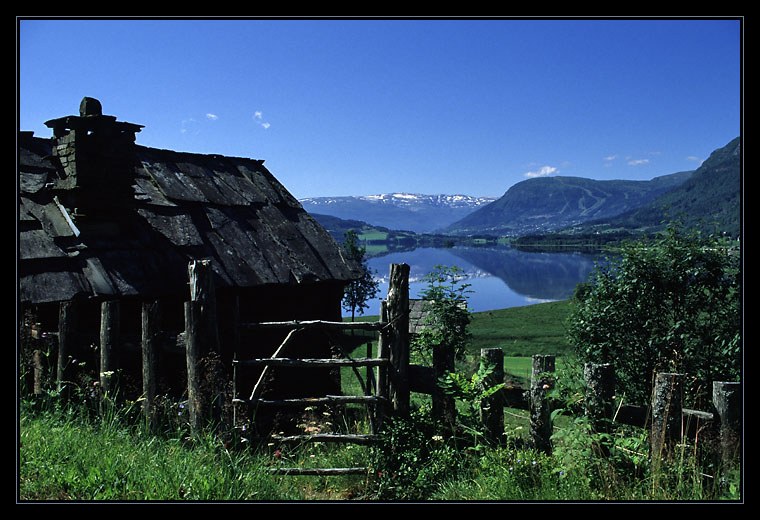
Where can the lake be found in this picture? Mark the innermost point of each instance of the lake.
(499, 277)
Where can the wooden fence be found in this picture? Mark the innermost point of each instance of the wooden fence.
(387, 391)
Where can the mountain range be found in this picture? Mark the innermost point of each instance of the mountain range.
(551, 203)
(709, 194)
(401, 211)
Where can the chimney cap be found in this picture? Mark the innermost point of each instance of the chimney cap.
(90, 107)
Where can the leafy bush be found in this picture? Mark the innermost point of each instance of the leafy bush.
(446, 324)
(671, 304)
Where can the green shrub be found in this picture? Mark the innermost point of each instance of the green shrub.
(670, 304)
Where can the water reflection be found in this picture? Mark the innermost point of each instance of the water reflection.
(499, 277)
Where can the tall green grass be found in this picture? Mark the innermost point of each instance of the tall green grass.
(69, 453)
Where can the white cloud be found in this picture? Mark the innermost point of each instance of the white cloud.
(610, 158)
(542, 172)
(258, 117)
(636, 162)
(694, 158)
(212, 117)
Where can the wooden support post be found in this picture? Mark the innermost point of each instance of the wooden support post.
(382, 370)
(727, 399)
(39, 371)
(398, 336)
(443, 406)
(492, 407)
(202, 290)
(600, 391)
(192, 346)
(67, 317)
(151, 330)
(667, 403)
(540, 415)
(109, 346)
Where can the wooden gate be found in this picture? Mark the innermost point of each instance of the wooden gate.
(384, 391)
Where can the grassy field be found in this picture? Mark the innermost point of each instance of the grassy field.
(520, 332)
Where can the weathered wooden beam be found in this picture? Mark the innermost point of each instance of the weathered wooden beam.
(398, 336)
(109, 345)
(328, 437)
(667, 404)
(317, 324)
(306, 401)
(192, 347)
(151, 331)
(67, 318)
(312, 362)
(257, 388)
(540, 412)
(202, 290)
(727, 398)
(492, 407)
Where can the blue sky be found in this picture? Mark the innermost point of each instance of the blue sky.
(359, 107)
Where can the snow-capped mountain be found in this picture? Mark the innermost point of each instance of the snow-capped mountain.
(408, 211)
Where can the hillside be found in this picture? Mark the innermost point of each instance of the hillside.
(551, 203)
(709, 199)
(401, 211)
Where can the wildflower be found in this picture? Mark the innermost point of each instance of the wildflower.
(437, 438)
(277, 453)
(545, 387)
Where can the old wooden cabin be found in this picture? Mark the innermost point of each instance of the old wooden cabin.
(103, 218)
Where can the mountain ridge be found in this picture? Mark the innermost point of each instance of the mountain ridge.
(552, 203)
(415, 212)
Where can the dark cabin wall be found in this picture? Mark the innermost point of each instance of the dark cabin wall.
(317, 301)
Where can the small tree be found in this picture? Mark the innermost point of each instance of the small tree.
(669, 304)
(449, 318)
(361, 290)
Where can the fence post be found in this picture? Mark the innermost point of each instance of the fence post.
(540, 415)
(600, 390)
(667, 409)
(203, 291)
(109, 345)
(195, 406)
(398, 336)
(492, 407)
(151, 329)
(67, 314)
(727, 400)
(382, 370)
(443, 406)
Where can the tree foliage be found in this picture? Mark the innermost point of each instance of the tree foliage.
(360, 291)
(448, 320)
(667, 304)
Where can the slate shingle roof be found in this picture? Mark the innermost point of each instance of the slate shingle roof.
(185, 206)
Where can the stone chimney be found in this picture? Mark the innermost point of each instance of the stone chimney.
(96, 153)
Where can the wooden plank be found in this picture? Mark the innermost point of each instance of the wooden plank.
(340, 325)
(328, 437)
(313, 362)
(307, 401)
